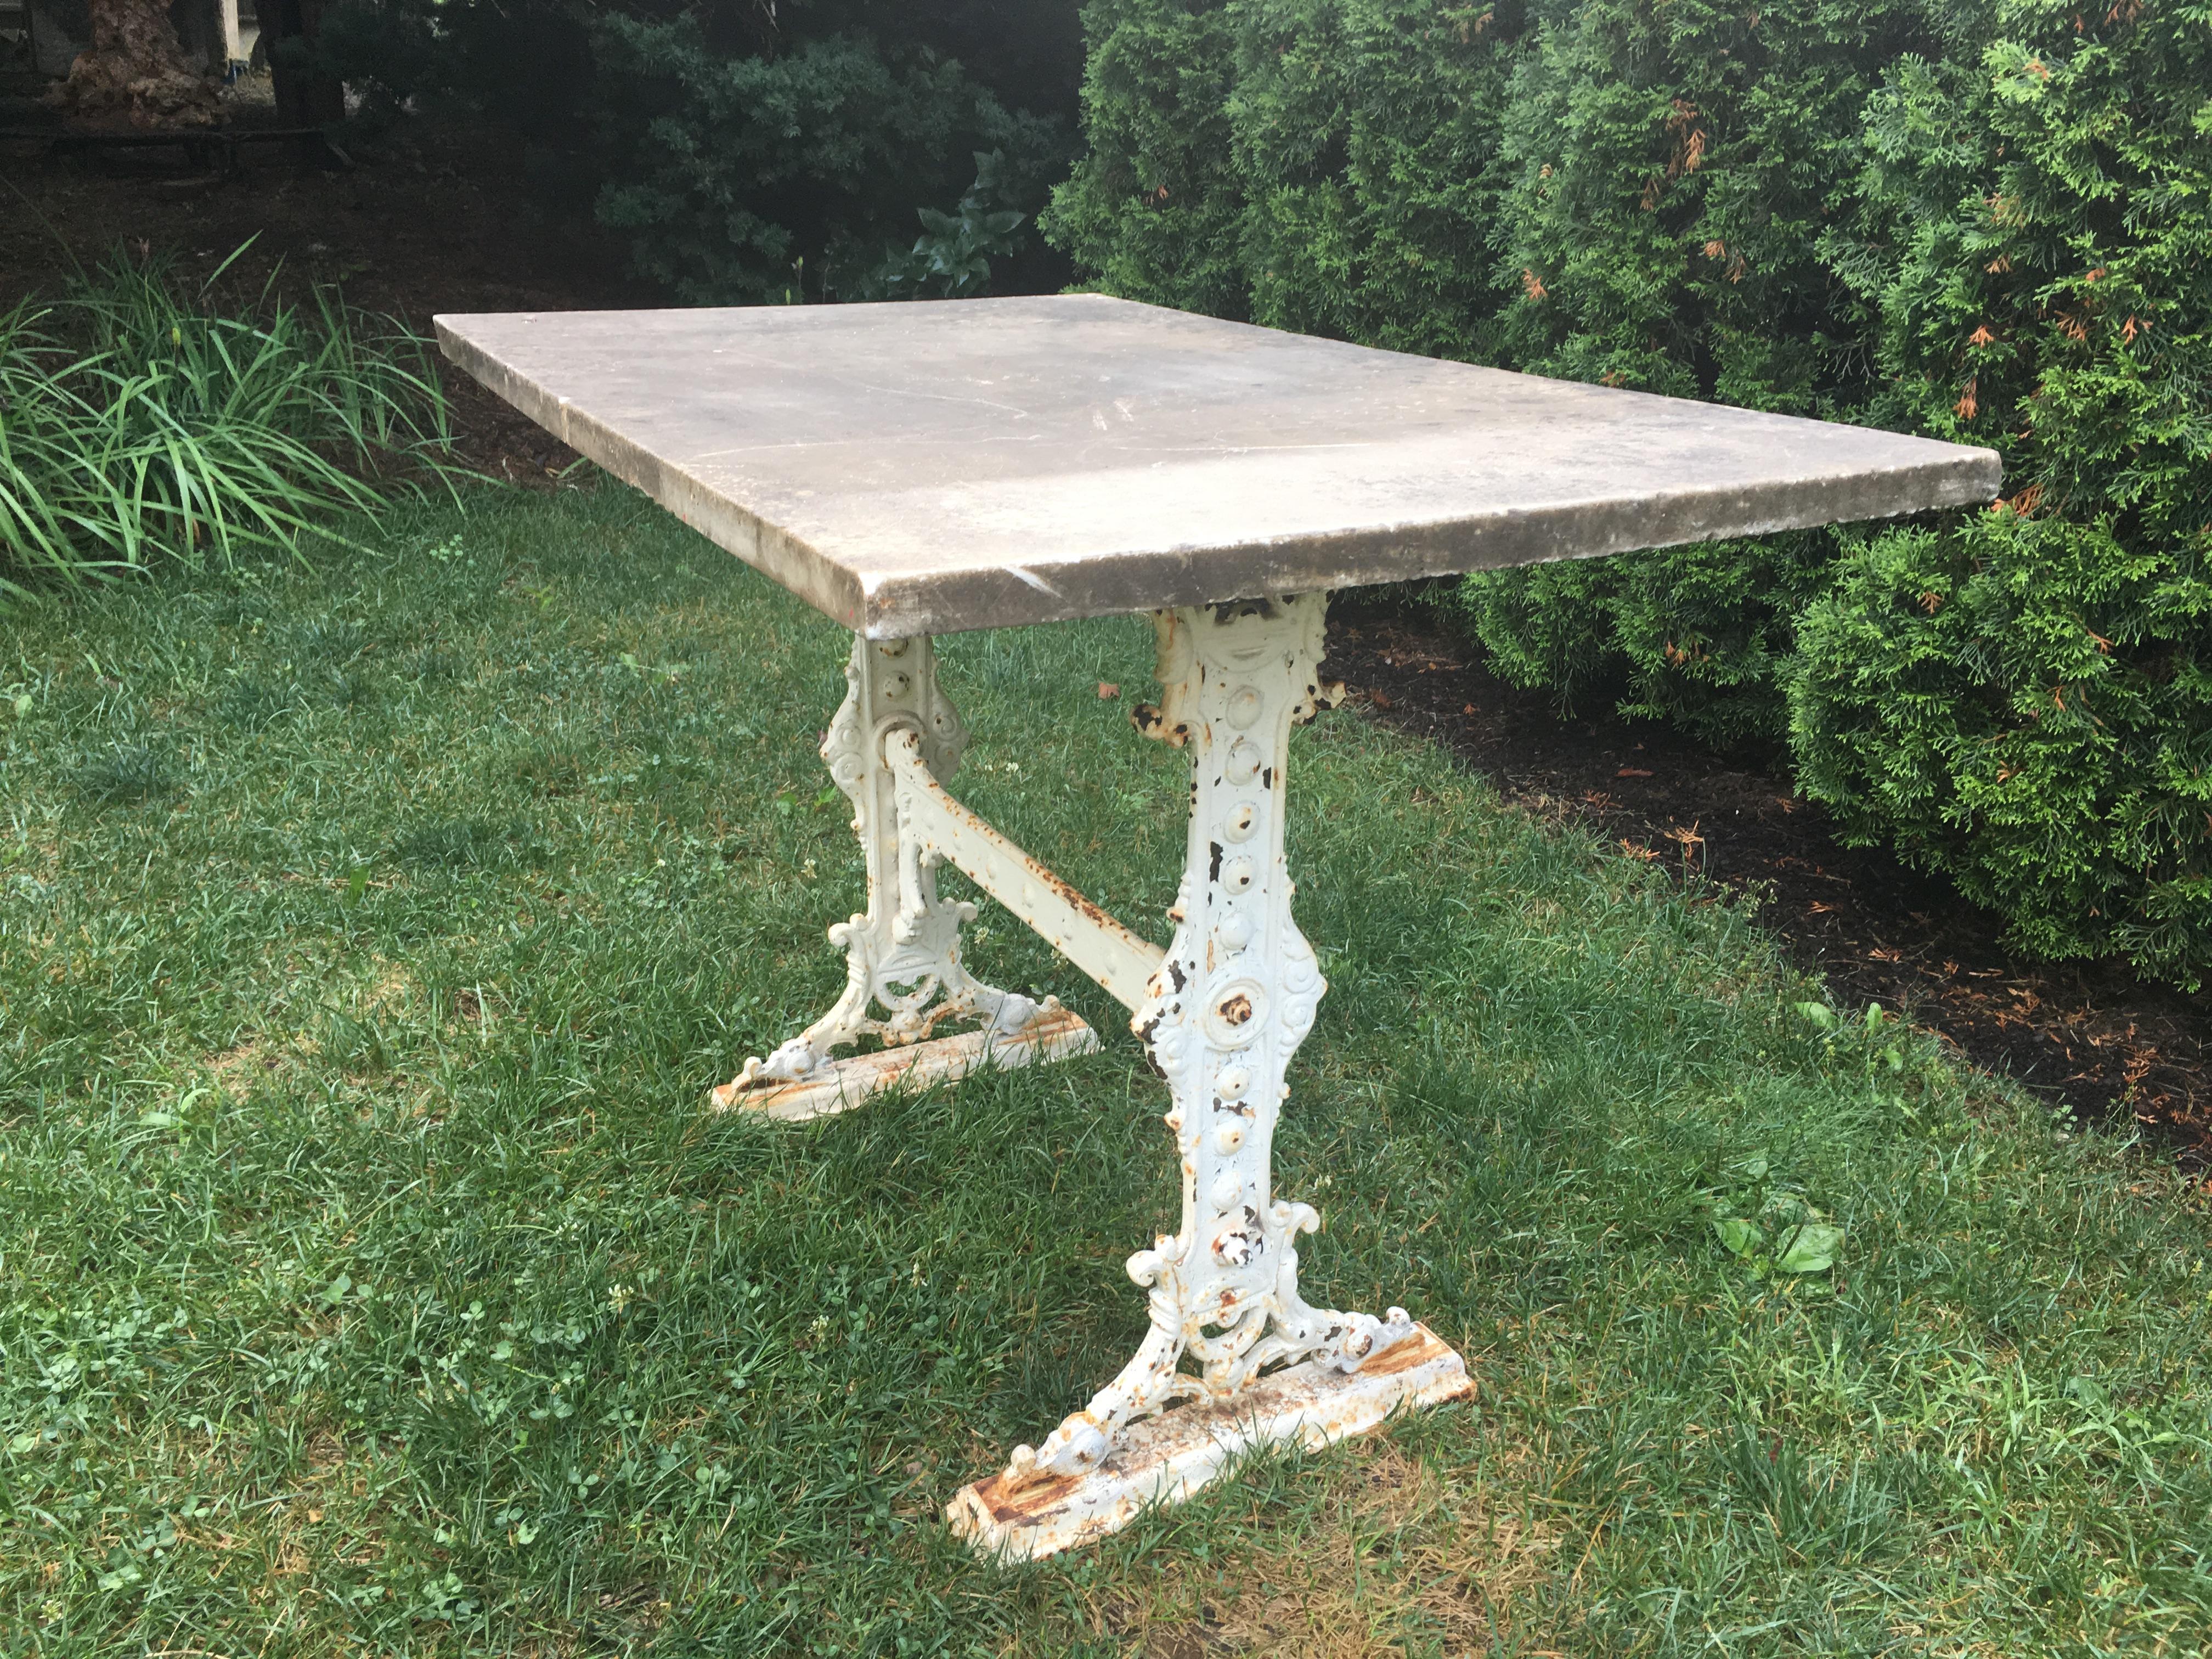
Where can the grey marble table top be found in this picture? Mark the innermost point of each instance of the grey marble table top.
(926, 468)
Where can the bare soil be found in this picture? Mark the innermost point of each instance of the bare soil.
(436, 217)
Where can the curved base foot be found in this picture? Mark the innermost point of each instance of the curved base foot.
(1164, 1459)
(1053, 1034)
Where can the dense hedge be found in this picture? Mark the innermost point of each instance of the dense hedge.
(749, 152)
(733, 175)
(1988, 220)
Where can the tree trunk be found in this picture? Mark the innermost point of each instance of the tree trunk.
(134, 74)
(306, 97)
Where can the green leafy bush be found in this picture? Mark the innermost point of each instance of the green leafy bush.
(730, 173)
(2025, 700)
(1990, 222)
(2026, 704)
(1152, 207)
(748, 153)
(951, 259)
(139, 423)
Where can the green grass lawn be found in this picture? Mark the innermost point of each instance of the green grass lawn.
(375, 1279)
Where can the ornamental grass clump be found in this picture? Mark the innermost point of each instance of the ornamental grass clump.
(140, 424)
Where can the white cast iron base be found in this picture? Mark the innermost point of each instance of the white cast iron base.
(839, 1086)
(1164, 1459)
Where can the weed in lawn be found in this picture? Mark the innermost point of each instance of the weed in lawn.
(464, 843)
(250, 704)
(353, 1045)
(376, 1279)
(125, 773)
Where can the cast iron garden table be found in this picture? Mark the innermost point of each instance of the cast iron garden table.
(921, 469)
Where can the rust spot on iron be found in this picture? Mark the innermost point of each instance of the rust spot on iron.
(1030, 1501)
(1061, 885)
(1147, 718)
(1421, 1346)
(1237, 1009)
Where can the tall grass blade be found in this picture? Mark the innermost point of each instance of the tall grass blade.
(138, 425)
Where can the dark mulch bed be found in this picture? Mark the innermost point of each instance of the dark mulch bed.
(2108, 1043)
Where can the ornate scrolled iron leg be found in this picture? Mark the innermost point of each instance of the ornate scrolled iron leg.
(902, 953)
(1230, 1002)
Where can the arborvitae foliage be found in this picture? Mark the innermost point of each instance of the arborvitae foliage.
(2027, 702)
(1673, 170)
(748, 178)
(1988, 222)
(1369, 133)
(2027, 699)
(1152, 207)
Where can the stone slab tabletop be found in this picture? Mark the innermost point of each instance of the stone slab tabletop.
(924, 468)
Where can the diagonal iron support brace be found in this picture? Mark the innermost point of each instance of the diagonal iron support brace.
(932, 823)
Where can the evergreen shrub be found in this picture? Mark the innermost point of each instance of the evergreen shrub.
(730, 174)
(1990, 221)
(751, 152)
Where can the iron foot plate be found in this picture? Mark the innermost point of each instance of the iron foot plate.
(1054, 1034)
(1164, 1459)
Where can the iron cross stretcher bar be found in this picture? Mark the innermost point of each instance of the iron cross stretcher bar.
(919, 469)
